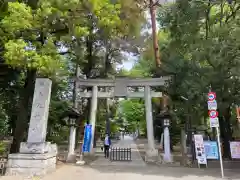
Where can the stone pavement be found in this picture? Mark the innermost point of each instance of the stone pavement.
(102, 169)
(72, 172)
(127, 142)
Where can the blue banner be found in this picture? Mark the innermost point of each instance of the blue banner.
(211, 149)
(87, 138)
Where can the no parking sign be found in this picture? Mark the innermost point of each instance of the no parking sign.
(211, 96)
(213, 114)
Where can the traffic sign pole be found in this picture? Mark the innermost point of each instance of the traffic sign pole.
(220, 152)
(213, 114)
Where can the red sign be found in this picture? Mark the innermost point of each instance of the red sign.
(213, 113)
(211, 96)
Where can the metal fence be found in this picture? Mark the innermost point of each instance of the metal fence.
(120, 154)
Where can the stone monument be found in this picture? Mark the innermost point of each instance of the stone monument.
(36, 156)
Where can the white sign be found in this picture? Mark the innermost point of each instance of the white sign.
(199, 149)
(214, 122)
(235, 149)
(212, 105)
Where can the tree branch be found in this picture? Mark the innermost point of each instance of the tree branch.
(233, 14)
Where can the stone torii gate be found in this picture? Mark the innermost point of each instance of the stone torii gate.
(121, 90)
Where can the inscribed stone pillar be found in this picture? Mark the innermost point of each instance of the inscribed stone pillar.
(151, 151)
(93, 113)
(36, 157)
(39, 118)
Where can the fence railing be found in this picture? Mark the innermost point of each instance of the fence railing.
(3, 163)
(120, 154)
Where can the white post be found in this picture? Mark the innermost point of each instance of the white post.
(161, 140)
(167, 151)
(93, 113)
(220, 152)
(71, 147)
(151, 152)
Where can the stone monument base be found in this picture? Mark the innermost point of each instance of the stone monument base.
(31, 164)
(167, 158)
(151, 155)
(71, 158)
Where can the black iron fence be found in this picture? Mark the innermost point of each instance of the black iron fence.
(120, 154)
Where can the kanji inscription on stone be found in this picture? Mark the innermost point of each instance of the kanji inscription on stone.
(40, 108)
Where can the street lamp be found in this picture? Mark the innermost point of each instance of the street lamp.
(166, 122)
(70, 117)
(71, 121)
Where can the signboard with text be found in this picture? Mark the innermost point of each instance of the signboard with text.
(211, 149)
(235, 149)
(212, 105)
(214, 122)
(199, 149)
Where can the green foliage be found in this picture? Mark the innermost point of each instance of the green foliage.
(57, 130)
(4, 119)
(132, 110)
(199, 47)
(34, 35)
(2, 148)
(133, 114)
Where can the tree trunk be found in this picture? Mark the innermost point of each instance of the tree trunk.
(183, 147)
(24, 109)
(226, 133)
(154, 33)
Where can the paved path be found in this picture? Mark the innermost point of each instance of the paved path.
(102, 169)
(126, 143)
(72, 172)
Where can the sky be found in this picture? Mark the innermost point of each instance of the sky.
(128, 64)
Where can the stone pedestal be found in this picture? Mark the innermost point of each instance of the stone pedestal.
(167, 157)
(37, 148)
(36, 156)
(34, 159)
(71, 157)
(151, 155)
(31, 164)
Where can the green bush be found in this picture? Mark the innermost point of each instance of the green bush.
(2, 148)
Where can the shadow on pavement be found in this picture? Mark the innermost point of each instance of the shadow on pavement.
(171, 172)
